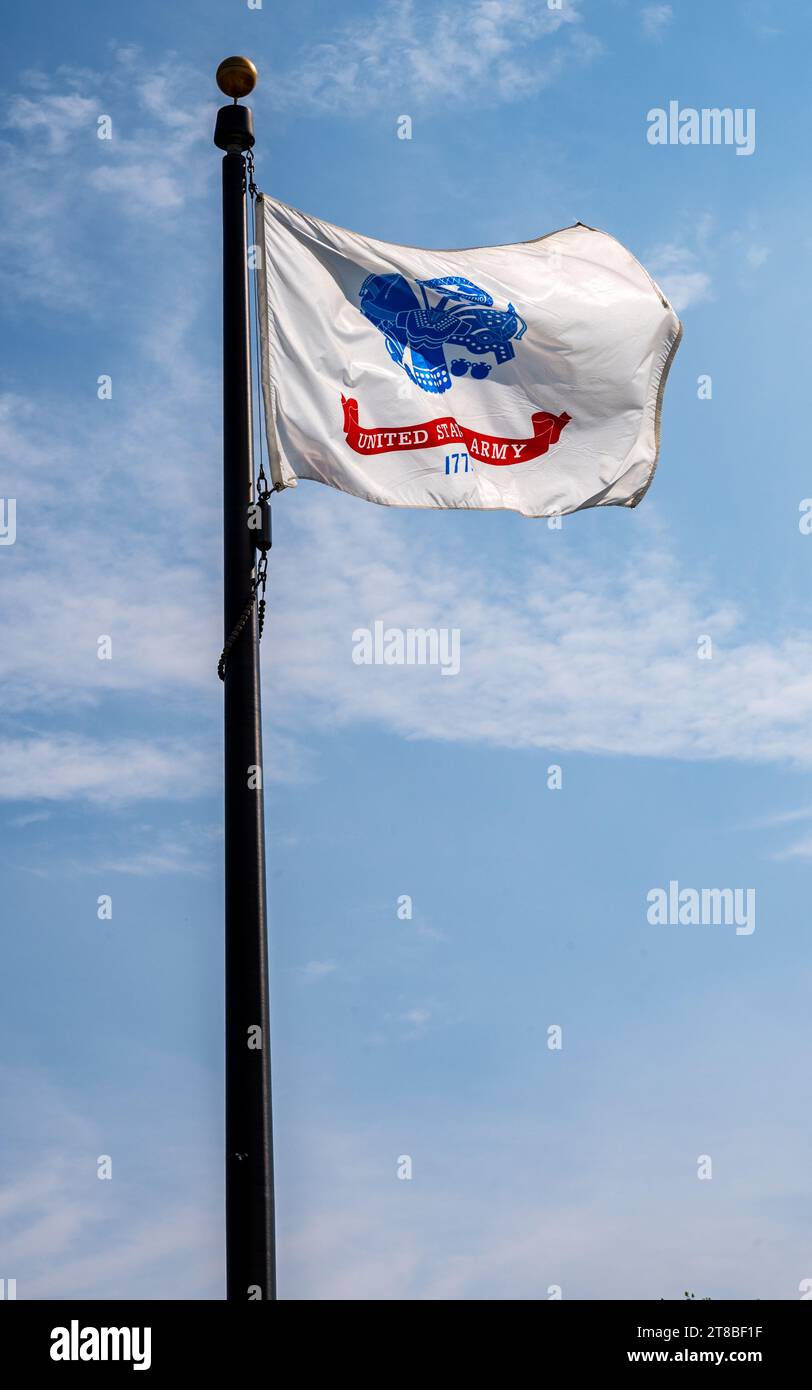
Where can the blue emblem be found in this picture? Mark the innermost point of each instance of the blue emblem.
(462, 314)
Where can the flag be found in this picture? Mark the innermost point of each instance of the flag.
(527, 377)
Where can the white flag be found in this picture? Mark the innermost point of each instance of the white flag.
(527, 376)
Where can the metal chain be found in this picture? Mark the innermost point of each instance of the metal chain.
(249, 160)
(257, 584)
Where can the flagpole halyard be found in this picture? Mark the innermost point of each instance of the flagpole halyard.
(250, 1243)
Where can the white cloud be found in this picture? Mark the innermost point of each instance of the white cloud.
(602, 1199)
(160, 640)
(799, 849)
(417, 1017)
(581, 650)
(60, 766)
(674, 268)
(168, 856)
(783, 818)
(124, 845)
(540, 637)
(656, 19)
(756, 256)
(29, 818)
(503, 49)
(685, 288)
(54, 119)
(140, 184)
(65, 1234)
(91, 181)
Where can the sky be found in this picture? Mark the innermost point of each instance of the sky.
(660, 658)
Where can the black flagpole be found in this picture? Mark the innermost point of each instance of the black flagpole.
(250, 1254)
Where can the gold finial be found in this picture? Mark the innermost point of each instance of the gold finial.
(236, 77)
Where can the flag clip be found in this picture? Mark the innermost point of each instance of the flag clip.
(264, 538)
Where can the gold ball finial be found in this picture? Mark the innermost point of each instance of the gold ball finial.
(236, 77)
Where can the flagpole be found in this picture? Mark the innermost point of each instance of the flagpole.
(250, 1252)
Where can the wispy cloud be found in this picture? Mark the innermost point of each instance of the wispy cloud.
(318, 969)
(56, 1217)
(168, 855)
(801, 813)
(61, 766)
(124, 845)
(799, 849)
(416, 1018)
(600, 1208)
(91, 181)
(656, 19)
(502, 49)
(539, 639)
(53, 119)
(29, 818)
(755, 256)
(683, 281)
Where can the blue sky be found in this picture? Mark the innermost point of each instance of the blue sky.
(532, 1168)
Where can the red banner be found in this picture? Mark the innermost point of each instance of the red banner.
(446, 432)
